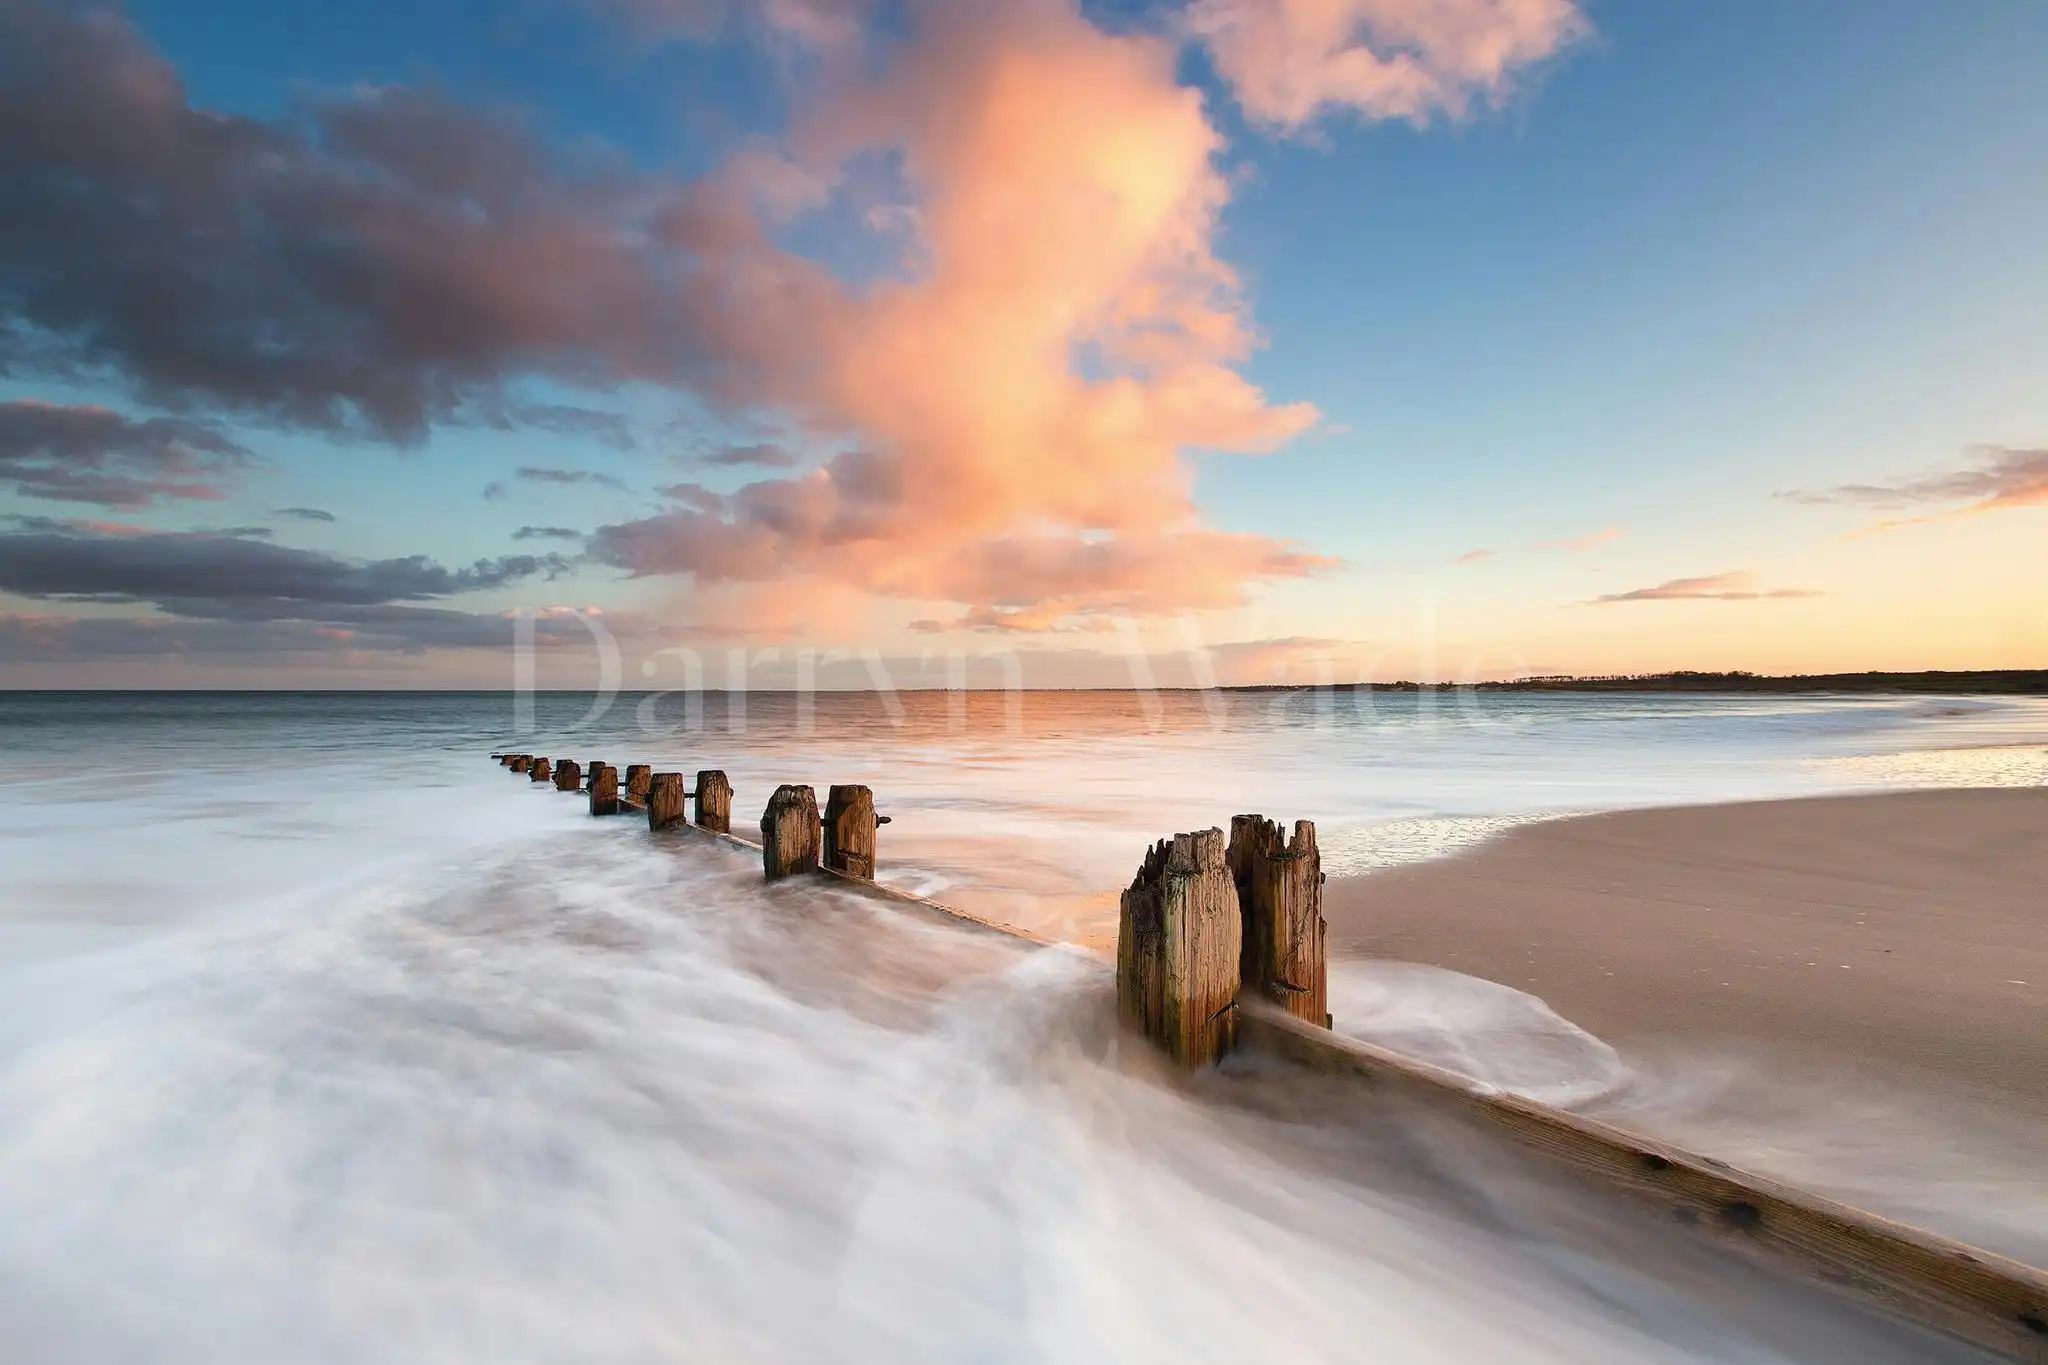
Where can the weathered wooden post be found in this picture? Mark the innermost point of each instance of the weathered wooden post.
(714, 801)
(569, 776)
(665, 800)
(539, 771)
(1280, 896)
(604, 789)
(1177, 949)
(638, 778)
(789, 833)
(850, 831)
(520, 762)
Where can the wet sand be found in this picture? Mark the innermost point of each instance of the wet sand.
(1901, 938)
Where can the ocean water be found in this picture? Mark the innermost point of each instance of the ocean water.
(324, 1039)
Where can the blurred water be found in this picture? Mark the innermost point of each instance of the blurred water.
(323, 1039)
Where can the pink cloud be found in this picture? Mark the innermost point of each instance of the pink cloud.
(1720, 587)
(2001, 479)
(1024, 390)
(1288, 61)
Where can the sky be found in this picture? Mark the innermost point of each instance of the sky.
(770, 342)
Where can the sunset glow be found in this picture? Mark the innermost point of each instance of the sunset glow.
(1325, 339)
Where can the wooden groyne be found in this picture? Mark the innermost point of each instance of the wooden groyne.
(1221, 946)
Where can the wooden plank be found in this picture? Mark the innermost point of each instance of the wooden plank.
(1987, 1299)
(639, 777)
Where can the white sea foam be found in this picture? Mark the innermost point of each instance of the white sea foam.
(1495, 1034)
(324, 1040)
(1921, 1154)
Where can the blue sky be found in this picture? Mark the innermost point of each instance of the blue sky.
(1593, 323)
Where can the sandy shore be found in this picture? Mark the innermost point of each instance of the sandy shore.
(1893, 935)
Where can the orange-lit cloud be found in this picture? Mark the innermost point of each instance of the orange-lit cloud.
(1720, 587)
(1021, 392)
(1289, 61)
(2001, 479)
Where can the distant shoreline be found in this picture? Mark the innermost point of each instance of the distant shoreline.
(1962, 682)
(2007, 681)
(1973, 682)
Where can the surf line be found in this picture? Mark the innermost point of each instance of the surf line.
(1221, 946)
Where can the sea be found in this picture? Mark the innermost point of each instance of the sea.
(324, 1039)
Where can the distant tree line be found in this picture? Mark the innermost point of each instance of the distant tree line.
(2000, 681)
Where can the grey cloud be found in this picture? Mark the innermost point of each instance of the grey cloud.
(760, 455)
(546, 533)
(567, 476)
(607, 427)
(697, 496)
(79, 453)
(225, 594)
(304, 513)
(372, 262)
(163, 568)
(815, 23)
(261, 639)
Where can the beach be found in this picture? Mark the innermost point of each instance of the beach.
(1903, 931)
(1847, 991)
